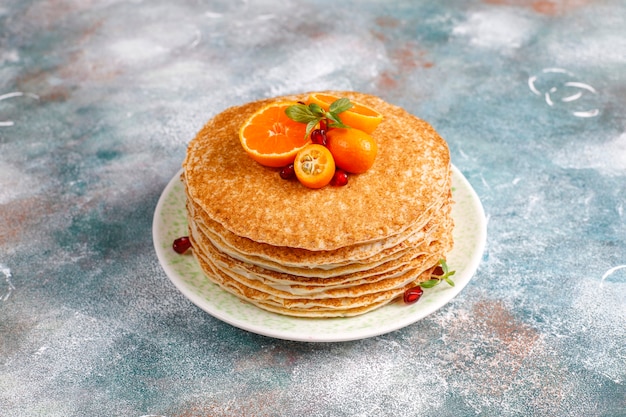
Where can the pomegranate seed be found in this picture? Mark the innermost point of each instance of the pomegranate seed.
(288, 172)
(413, 294)
(340, 178)
(319, 136)
(182, 244)
(438, 271)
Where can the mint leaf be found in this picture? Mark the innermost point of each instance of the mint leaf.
(340, 105)
(310, 126)
(317, 109)
(429, 284)
(335, 120)
(444, 266)
(301, 113)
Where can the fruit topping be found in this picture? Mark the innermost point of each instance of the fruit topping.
(277, 134)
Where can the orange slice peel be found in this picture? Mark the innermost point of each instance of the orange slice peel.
(360, 116)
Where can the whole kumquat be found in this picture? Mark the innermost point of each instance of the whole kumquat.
(353, 150)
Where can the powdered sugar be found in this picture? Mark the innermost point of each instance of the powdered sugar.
(608, 158)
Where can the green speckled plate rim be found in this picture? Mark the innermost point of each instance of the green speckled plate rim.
(170, 222)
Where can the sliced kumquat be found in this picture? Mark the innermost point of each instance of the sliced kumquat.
(359, 116)
(314, 166)
(271, 138)
(353, 149)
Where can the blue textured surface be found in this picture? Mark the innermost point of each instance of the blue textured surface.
(98, 100)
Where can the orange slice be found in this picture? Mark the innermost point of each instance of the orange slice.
(359, 116)
(271, 138)
(314, 166)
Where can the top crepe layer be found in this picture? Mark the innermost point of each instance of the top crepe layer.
(395, 195)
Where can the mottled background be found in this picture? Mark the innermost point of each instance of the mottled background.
(98, 100)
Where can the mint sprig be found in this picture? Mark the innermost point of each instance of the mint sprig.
(438, 278)
(313, 114)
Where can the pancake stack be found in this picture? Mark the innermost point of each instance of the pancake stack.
(333, 252)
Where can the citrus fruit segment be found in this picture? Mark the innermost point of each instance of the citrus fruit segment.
(359, 116)
(271, 138)
(353, 149)
(314, 166)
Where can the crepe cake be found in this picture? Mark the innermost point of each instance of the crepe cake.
(332, 252)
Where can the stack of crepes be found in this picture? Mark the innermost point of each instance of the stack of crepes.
(332, 252)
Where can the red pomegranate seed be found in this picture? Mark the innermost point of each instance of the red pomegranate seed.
(413, 294)
(319, 136)
(287, 172)
(181, 245)
(340, 178)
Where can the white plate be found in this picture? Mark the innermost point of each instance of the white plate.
(170, 222)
